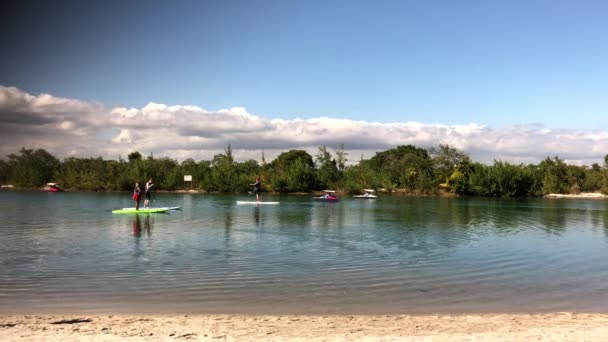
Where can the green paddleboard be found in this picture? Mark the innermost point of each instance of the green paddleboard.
(140, 211)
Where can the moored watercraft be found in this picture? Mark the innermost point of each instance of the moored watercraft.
(327, 197)
(369, 194)
(52, 187)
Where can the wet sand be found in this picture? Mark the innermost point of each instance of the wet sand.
(465, 327)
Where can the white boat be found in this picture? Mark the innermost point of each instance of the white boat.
(328, 197)
(369, 194)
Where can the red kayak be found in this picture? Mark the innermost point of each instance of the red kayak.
(328, 197)
(53, 187)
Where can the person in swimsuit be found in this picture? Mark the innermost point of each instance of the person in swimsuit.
(149, 186)
(256, 188)
(136, 195)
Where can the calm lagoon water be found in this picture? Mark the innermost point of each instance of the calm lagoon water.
(67, 252)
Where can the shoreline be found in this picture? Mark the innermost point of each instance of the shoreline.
(559, 326)
(583, 195)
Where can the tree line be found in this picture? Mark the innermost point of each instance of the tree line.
(407, 169)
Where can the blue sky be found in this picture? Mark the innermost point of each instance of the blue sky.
(501, 80)
(450, 62)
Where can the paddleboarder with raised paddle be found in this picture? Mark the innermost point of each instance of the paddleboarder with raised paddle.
(147, 192)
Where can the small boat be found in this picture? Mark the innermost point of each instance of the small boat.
(328, 197)
(369, 194)
(53, 187)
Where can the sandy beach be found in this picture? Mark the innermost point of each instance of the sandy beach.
(584, 195)
(466, 327)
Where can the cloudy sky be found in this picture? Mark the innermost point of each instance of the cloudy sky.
(516, 80)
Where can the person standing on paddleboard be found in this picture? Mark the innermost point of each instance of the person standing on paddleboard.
(256, 188)
(136, 195)
(149, 186)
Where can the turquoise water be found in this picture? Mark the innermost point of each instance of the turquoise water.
(66, 252)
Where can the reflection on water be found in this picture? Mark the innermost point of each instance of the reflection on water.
(137, 226)
(256, 215)
(395, 254)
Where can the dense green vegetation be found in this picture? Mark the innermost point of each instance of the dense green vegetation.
(405, 168)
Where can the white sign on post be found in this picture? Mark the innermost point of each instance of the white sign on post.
(187, 178)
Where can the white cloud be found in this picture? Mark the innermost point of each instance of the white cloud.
(125, 136)
(124, 112)
(68, 127)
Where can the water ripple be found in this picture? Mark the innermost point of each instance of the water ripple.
(395, 255)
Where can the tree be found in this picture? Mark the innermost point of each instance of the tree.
(292, 171)
(459, 181)
(445, 161)
(576, 177)
(593, 178)
(93, 174)
(4, 172)
(247, 172)
(361, 176)
(138, 169)
(605, 176)
(165, 172)
(341, 157)
(203, 175)
(407, 167)
(134, 156)
(32, 168)
(554, 176)
(223, 172)
(404, 167)
(327, 170)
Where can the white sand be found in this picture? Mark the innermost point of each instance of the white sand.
(475, 327)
